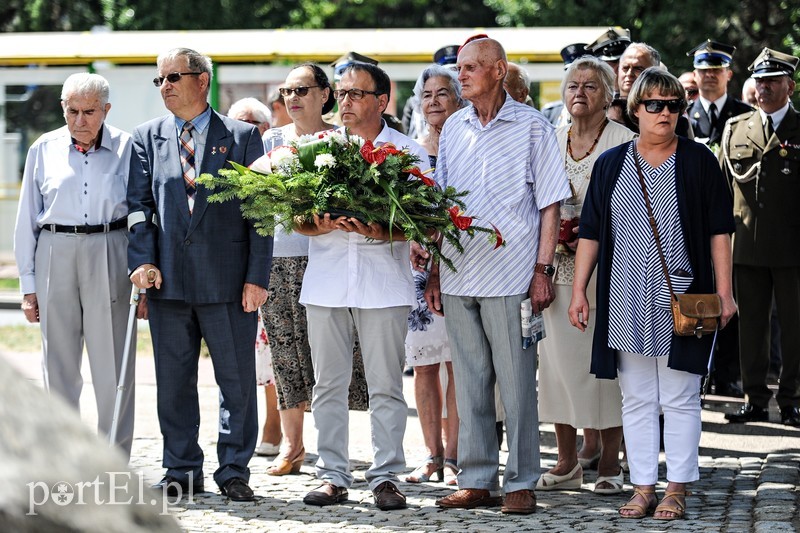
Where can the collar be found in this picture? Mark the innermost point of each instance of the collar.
(200, 122)
(102, 140)
(719, 102)
(777, 116)
(506, 113)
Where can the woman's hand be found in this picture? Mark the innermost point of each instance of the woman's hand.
(579, 310)
(728, 309)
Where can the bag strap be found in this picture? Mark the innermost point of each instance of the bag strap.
(652, 220)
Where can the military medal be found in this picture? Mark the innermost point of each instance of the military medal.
(213, 150)
(782, 152)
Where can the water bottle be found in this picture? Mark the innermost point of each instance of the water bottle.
(526, 313)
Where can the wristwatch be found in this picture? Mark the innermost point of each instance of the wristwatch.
(547, 270)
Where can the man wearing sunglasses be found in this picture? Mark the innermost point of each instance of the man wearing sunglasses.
(205, 270)
(357, 278)
(760, 155)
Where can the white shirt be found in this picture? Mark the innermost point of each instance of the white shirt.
(719, 102)
(777, 116)
(347, 270)
(512, 169)
(63, 186)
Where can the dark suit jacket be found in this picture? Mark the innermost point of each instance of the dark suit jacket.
(206, 257)
(765, 203)
(701, 124)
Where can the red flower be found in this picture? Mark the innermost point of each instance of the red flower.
(414, 171)
(371, 154)
(460, 221)
(498, 237)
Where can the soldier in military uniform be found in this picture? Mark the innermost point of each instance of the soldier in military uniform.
(708, 114)
(760, 155)
(714, 107)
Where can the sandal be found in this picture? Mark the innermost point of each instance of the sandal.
(450, 472)
(420, 475)
(572, 480)
(615, 484)
(641, 510)
(674, 501)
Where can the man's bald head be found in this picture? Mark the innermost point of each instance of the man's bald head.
(488, 50)
(482, 68)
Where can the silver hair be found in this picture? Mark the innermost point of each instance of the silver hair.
(197, 61)
(523, 74)
(254, 107)
(653, 54)
(604, 73)
(439, 71)
(86, 83)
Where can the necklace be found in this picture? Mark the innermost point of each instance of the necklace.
(591, 148)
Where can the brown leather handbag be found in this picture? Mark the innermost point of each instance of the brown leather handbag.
(692, 314)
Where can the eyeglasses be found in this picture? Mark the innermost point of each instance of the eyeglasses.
(299, 91)
(354, 94)
(657, 106)
(173, 77)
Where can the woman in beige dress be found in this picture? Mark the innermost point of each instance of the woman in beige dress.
(569, 396)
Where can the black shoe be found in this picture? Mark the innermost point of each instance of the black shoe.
(388, 497)
(790, 416)
(237, 490)
(175, 488)
(730, 389)
(748, 413)
(326, 494)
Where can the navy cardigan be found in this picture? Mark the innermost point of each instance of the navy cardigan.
(705, 207)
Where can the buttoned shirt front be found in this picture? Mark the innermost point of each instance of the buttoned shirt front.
(513, 169)
(62, 185)
(345, 269)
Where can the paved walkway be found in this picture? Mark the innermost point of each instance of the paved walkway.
(748, 480)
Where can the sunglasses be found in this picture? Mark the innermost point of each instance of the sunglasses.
(299, 91)
(173, 77)
(657, 106)
(354, 94)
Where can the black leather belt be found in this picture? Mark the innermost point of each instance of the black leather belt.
(86, 230)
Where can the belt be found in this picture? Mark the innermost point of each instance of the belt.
(86, 230)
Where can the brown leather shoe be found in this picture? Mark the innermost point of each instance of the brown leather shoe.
(469, 499)
(388, 497)
(519, 502)
(326, 494)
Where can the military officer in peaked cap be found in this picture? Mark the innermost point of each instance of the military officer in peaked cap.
(708, 114)
(609, 47)
(713, 107)
(760, 155)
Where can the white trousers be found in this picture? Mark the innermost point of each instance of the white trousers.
(648, 388)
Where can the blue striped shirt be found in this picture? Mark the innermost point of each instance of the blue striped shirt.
(512, 169)
(639, 319)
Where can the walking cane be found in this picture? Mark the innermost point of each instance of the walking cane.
(112, 435)
(707, 379)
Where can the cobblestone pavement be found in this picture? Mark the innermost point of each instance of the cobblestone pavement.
(749, 480)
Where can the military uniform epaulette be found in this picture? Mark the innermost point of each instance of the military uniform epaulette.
(743, 116)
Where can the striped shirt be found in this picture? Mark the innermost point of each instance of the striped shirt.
(640, 320)
(512, 169)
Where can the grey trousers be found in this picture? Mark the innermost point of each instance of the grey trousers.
(83, 291)
(382, 334)
(486, 342)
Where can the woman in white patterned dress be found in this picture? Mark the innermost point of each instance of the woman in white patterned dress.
(569, 396)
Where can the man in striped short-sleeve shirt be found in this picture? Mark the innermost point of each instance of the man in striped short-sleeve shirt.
(505, 154)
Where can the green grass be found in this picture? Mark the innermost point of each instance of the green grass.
(28, 339)
(9, 283)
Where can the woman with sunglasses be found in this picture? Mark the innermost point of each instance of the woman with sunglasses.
(307, 95)
(569, 396)
(633, 335)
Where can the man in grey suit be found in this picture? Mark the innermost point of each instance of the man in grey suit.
(205, 270)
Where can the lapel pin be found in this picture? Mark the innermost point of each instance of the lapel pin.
(696, 114)
(223, 149)
(213, 150)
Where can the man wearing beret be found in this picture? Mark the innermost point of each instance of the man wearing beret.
(760, 155)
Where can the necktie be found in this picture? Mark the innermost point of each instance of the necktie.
(187, 162)
(770, 127)
(712, 115)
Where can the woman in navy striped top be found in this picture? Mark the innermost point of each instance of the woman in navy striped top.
(658, 371)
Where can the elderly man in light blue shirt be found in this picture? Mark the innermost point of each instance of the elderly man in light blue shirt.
(505, 154)
(70, 243)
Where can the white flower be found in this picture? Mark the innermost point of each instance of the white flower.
(282, 156)
(262, 165)
(325, 160)
(305, 139)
